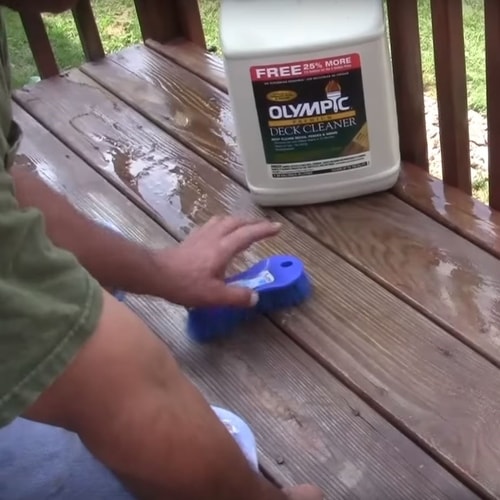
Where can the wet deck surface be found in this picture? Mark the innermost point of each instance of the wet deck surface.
(386, 384)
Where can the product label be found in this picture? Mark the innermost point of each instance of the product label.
(263, 278)
(312, 116)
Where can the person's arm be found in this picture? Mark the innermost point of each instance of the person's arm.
(111, 258)
(72, 356)
(127, 399)
(189, 274)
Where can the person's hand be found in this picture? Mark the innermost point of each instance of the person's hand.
(192, 274)
(304, 492)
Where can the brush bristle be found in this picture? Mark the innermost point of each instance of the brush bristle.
(290, 297)
(205, 326)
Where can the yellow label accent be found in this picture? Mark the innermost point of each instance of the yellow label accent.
(282, 95)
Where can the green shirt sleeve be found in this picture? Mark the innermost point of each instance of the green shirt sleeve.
(49, 304)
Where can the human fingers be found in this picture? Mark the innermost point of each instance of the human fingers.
(247, 235)
(232, 295)
(225, 225)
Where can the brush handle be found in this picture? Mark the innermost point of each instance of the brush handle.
(280, 281)
(263, 278)
(275, 272)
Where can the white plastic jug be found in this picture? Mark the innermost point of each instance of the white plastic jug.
(312, 96)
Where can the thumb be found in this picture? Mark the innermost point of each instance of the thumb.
(237, 296)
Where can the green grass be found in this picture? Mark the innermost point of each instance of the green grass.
(119, 28)
(117, 24)
(474, 51)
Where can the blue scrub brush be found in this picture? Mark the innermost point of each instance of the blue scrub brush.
(280, 281)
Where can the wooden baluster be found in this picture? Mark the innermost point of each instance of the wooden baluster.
(451, 86)
(492, 26)
(40, 44)
(192, 26)
(157, 19)
(88, 31)
(164, 20)
(407, 69)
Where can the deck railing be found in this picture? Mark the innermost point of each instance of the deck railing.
(451, 88)
(164, 20)
(159, 20)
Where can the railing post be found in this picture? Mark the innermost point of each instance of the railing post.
(409, 87)
(451, 86)
(40, 45)
(164, 20)
(492, 30)
(88, 31)
(192, 27)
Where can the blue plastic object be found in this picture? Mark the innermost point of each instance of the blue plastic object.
(119, 295)
(281, 282)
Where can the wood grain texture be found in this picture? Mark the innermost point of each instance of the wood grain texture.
(448, 205)
(409, 88)
(438, 272)
(492, 25)
(309, 426)
(429, 384)
(463, 301)
(206, 65)
(193, 113)
(88, 31)
(407, 69)
(451, 207)
(39, 43)
(451, 87)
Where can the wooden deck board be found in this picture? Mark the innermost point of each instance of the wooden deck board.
(378, 234)
(446, 204)
(423, 379)
(309, 426)
(206, 65)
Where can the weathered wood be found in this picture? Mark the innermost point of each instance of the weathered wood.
(451, 86)
(40, 44)
(444, 276)
(164, 20)
(448, 205)
(409, 88)
(408, 78)
(206, 65)
(492, 23)
(88, 31)
(187, 110)
(377, 344)
(451, 207)
(309, 427)
(471, 317)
